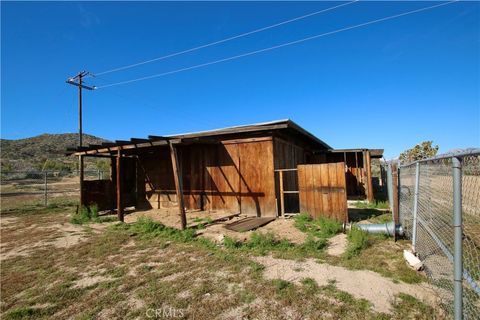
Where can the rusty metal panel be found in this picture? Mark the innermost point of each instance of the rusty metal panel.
(323, 191)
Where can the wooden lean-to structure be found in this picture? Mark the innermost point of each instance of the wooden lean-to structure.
(261, 170)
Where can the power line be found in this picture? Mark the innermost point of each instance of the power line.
(224, 40)
(277, 46)
(136, 101)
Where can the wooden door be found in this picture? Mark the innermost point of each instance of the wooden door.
(322, 190)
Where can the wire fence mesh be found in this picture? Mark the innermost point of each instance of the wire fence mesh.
(426, 202)
(19, 188)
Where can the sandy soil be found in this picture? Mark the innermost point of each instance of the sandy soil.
(337, 245)
(171, 218)
(361, 284)
(59, 235)
(282, 228)
(285, 228)
(90, 281)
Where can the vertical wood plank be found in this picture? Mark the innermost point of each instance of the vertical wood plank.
(326, 199)
(332, 183)
(310, 192)
(317, 207)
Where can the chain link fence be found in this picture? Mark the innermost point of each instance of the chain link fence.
(20, 188)
(428, 193)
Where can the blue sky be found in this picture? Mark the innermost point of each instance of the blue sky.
(387, 85)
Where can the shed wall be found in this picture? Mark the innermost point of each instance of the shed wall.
(234, 176)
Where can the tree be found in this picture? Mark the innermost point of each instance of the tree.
(422, 150)
(103, 165)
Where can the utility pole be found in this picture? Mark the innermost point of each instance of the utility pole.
(78, 81)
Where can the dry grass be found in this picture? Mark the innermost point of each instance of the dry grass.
(124, 272)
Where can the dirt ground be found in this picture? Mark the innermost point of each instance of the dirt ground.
(52, 269)
(362, 284)
(285, 227)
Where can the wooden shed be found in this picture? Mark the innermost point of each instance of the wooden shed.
(250, 169)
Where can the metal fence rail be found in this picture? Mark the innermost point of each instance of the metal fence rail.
(439, 209)
(42, 187)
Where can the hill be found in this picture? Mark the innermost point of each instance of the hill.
(43, 151)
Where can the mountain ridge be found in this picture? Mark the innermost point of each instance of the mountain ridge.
(44, 151)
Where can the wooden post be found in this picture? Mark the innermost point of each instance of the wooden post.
(177, 176)
(81, 174)
(282, 195)
(119, 186)
(368, 165)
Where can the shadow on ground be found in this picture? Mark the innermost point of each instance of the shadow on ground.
(357, 214)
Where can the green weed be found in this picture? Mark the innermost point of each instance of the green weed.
(357, 241)
(85, 215)
(281, 284)
(372, 205)
(310, 284)
(147, 228)
(321, 227)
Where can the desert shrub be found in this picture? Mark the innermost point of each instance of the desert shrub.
(312, 244)
(281, 284)
(263, 243)
(85, 215)
(322, 227)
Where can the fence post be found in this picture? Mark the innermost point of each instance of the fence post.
(390, 186)
(457, 227)
(415, 206)
(45, 195)
(98, 174)
(282, 195)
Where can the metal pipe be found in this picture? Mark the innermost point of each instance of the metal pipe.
(388, 228)
(415, 206)
(457, 227)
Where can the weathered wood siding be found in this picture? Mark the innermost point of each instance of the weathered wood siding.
(99, 193)
(155, 167)
(323, 190)
(257, 178)
(234, 176)
(355, 172)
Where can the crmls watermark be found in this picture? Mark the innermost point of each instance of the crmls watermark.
(164, 312)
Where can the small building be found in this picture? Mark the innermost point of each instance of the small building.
(260, 170)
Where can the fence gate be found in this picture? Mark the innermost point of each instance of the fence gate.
(323, 190)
